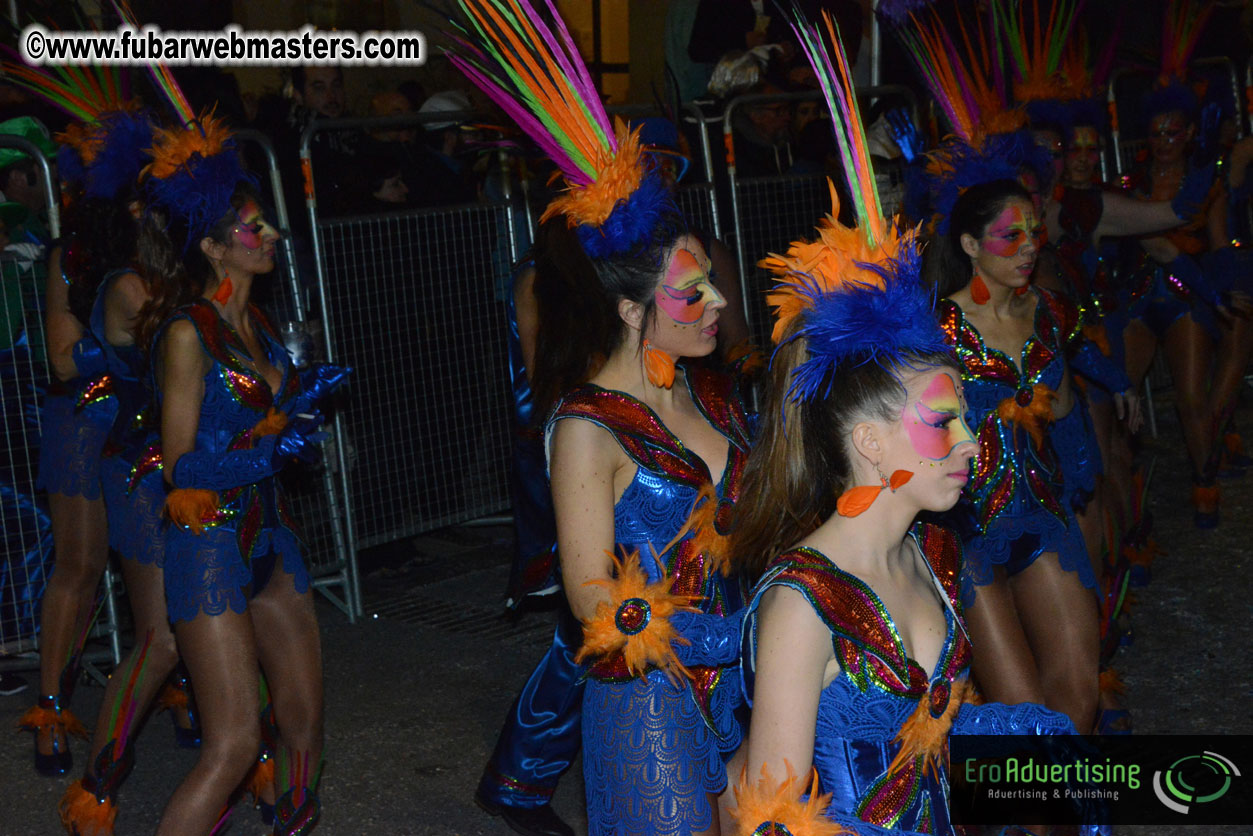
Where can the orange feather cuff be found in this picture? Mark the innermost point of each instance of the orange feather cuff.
(768, 808)
(924, 734)
(1033, 415)
(192, 507)
(635, 621)
(82, 813)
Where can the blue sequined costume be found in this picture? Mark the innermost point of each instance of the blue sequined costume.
(653, 752)
(130, 471)
(540, 737)
(75, 422)
(253, 533)
(1015, 504)
(878, 687)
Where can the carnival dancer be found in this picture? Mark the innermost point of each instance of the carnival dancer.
(1170, 301)
(233, 414)
(856, 654)
(644, 451)
(77, 414)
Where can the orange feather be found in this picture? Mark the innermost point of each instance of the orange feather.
(925, 736)
(617, 177)
(173, 147)
(273, 422)
(658, 366)
(769, 808)
(856, 500)
(1034, 416)
(83, 814)
(37, 717)
(192, 507)
(651, 645)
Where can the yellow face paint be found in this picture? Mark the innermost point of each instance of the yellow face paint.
(687, 290)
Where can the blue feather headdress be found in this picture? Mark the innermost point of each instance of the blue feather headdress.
(956, 166)
(853, 293)
(125, 136)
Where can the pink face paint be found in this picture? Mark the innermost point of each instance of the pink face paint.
(934, 422)
(686, 290)
(1010, 232)
(251, 230)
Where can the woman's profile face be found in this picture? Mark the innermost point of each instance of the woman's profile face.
(1006, 251)
(250, 244)
(688, 304)
(933, 440)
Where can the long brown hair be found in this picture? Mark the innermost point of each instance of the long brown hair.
(800, 464)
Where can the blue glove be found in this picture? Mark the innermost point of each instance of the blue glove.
(715, 639)
(1092, 364)
(222, 471)
(1193, 191)
(89, 357)
(905, 133)
(322, 379)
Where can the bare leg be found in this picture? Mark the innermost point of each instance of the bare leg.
(145, 587)
(1235, 349)
(1189, 352)
(80, 533)
(726, 801)
(1003, 661)
(220, 653)
(290, 650)
(1092, 527)
(1059, 618)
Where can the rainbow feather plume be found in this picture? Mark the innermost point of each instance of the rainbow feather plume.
(1035, 44)
(535, 74)
(1182, 25)
(854, 290)
(161, 74)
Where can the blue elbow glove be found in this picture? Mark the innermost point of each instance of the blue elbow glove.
(1092, 364)
(89, 357)
(318, 382)
(1196, 186)
(222, 471)
(715, 639)
(905, 133)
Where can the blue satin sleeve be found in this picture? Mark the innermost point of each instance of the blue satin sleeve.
(1092, 364)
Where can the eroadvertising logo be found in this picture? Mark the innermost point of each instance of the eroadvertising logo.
(1194, 779)
(1090, 780)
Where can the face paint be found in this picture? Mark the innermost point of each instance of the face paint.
(252, 227)
(935, 422)
(686, 291)
(1084, 144)
(1169, 128)
(1010, 232)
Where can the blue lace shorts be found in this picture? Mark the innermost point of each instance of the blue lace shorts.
(206, 573)
(1014, 543)
(70, 445)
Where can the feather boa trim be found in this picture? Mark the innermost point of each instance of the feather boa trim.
(192, 508)
(1031, 409)
(635, 621)
(83, 814)
(39, 717)
(769, 808)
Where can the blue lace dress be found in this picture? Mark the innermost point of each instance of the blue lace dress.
(251, 535)
(130, 468)
(1017, 505)
(652, 752)
(879, 687)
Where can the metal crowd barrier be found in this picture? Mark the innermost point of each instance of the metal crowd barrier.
(28, 556)
(413, 301)
(769, 212)
(315, 493)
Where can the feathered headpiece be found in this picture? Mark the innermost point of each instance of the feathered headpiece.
(535, 74)
(855, 290)
(103, 150)
(988, 141)
(1182, 24)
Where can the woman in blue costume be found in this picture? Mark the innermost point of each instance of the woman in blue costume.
(644, 453)
(855, 648)
(233, 414)
(1027, 560)
(77, 414)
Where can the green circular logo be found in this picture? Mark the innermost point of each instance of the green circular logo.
(1194, 779)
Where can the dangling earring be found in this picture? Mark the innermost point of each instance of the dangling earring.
(1021, 291)
(225, 289)
(856, 500)
(658, 366)
(979, 292)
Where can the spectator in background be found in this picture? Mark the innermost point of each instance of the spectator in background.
(21, 178)
(691, 77)
(318, 92)
(443, 177)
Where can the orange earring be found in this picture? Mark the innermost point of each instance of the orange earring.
(979, 291)
(658, 366)
(224, 291)
(856, 500)
(1022, 291)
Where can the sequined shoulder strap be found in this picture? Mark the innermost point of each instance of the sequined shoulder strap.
(717, 395)
(943, 551)
(215, 338)
(1063, 313)
(637, 430)
(847, 606)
